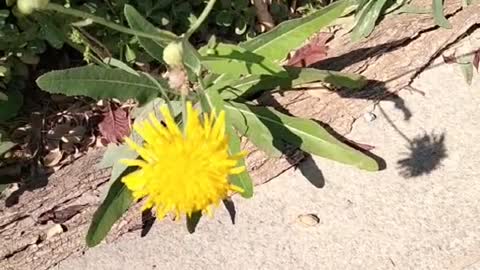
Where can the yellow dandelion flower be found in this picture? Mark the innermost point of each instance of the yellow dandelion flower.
(182, 172)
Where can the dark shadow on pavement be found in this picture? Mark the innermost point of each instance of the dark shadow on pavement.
(425, 154)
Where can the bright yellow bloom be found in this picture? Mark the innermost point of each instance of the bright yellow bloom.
(182, 173)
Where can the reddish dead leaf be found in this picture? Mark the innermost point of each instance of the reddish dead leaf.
(449, 59)
(476, 59)
(115, 124)
(313, 52)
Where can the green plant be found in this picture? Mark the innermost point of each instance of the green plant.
(226, 78)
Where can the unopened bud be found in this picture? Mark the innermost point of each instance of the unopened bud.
(28, 6)
(173, 54)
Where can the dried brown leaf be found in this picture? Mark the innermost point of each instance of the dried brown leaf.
(476, 59)
(53, 158)
(115, 124)
(311, 53)
(449, 59)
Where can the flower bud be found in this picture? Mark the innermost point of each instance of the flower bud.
(173, 54)
(28, 6)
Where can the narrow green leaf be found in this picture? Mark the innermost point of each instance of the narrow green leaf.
(191, 59)
(5, 146)
(302, 133)
(119, 64)
(114, 153)
(287, 36)
(97, 82)
(118, 200)
(367, 18)
(438, 15)
(251, 86)
(231, 59)
(467, 71)
(213, 100)
(139, 23)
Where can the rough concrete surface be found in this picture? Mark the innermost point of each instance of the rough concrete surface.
(421, 212)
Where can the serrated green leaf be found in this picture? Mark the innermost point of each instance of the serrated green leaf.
(9, 108)
(302, 133)
(287, 36)
(251, 86)
(213, 101)
(367, 18)
(231, 59)
(438, 15)
(98, 82)
(153, 47)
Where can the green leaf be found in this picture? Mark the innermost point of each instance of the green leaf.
(467, 71)
(9, 108)
(191, 59)
(119, 64)
(114, 153)
(438, 15)
(367, 18)
(98, 83)
(302, 133)
(251, 86)
(118, 200)
(231, 59)
(5, 146)
(51, 33)
(119, 197)
(139, 23)
(287, 36)
(212, 100)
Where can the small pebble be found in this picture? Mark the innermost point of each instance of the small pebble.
(369, 117)
(309, 219)
(54, 230)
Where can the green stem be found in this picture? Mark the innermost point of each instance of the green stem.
(184, 112)
(200, 19)
(162, 91)
(162, 36)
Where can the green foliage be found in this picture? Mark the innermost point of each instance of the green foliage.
(440, 19)
(99, 82)
(239, 73)
(271, 130)
(223, 77)
(277, 43)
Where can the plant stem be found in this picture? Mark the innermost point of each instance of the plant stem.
(163, 36)
(184, 112)
(200, 19)
(162, 91)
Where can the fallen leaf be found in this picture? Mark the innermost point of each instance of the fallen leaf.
(313, 52)
(115, 124)
(449, 59)
(53, 158)
(476, 59)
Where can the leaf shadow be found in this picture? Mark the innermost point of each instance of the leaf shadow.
(192, 221)
(148, 220)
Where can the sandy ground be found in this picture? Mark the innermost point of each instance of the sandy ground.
(422, 212)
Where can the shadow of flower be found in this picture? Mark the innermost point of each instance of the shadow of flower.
(425, 155)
